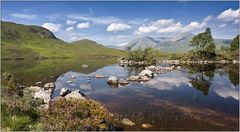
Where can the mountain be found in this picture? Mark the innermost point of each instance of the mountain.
(24, 41)
(141, 43)
(177, 43)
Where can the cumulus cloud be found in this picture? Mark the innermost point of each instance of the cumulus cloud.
(169, 26)
(70, 22)
(69, 29)
(96, 20)
(83, 25)
(24, 16)
(229, 15)
(117, 27)
(52, 27)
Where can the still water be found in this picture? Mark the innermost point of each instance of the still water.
(204, 98)
(195, 97)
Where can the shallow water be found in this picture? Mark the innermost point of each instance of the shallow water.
(184, 99)
(196, 97)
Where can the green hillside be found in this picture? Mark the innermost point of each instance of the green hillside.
(21, 41)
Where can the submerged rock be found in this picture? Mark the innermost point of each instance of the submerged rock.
(123, 82)
(65, 91)
(112, 80)
(76, 95)
(99, 76)
(128, 122)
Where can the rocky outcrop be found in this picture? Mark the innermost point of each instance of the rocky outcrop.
(146, 73)
(49, 86)
(43, 94)
(133, 78)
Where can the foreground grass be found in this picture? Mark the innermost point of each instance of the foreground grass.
(21, 112)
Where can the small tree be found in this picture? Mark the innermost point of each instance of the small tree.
(203, 44)
(235, 43)
(148, 55)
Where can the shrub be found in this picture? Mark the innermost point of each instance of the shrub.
(68, 115)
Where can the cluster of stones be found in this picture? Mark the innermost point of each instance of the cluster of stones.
(143, 76)
(198, 62)
(45, 93)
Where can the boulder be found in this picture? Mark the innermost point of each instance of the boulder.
(34, 88)
(133, 78)
(128, 122)
(123, 82)
(43, 94)
(73, 77)
(65, 91)
(49, 85)
(234, 61)
(147, 73)
(145, 78)
(179, 67)
(112, 80)
(84, 66)
(75, 95)
(99, 76)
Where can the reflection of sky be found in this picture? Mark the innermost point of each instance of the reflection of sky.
(169, 81)
(223, 87)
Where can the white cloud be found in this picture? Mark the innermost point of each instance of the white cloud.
(222, 25)
(83, 25)
(70, 22)
(24, 16)
(169, 26)
(52, 27)
(117, 27)
(229, 15)
(97, 20)
(69, 29)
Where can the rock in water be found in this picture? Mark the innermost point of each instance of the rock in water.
(99, 76)
(84, 66)
(43, 94)
(76, 95)
(147, 73)
(65, 91)
(69, 82)
(144, 125)
(126, 121)
(133, 78)
(123, 82)
(112, 80)
(145, 78)
(49, 85)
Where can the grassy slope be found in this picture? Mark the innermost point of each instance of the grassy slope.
(21, 41)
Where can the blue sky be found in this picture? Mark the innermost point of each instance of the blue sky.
(116, 23)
